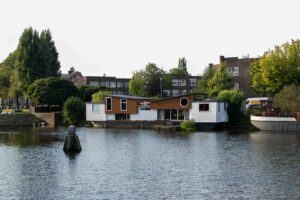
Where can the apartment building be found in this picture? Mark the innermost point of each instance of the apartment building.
(181, 85)
(239, 68)
(119, 86)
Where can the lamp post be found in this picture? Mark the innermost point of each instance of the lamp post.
(160, 87)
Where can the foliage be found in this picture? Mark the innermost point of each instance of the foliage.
(188, 125)
(202, 83)
(71, 70)
(288, 99)
(181, 68)
(6, 73)
(86, 92)
(51, 91)
(276, 68)
(219, 81)
(234, 99)
(99, 96)
(73, 110)
(36, 57)
(136, 84)
(147, 82)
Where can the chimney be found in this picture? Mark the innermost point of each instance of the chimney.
(222, 59)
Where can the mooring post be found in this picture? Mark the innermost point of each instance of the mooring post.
(72, 143)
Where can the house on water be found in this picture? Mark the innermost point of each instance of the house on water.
(140, 112)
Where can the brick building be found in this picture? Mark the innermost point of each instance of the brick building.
(239, 68)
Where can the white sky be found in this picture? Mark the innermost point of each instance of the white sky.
(116, 37)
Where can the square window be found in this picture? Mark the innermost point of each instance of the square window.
(95, 108)
(204, 107)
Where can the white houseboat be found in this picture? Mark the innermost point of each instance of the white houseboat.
(135, 111)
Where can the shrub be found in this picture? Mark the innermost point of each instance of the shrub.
(288, 99)
(188, 125)
(73, 110)
(234, 98)
(99, 96)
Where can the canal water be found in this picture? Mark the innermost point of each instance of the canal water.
(143, 164)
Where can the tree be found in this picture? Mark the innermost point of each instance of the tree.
(136, 84)
(86, 92)
(219, 81)
(36, 57)
(99, 96)
(51, 91)
(71, 70)
(234, 98)
(202, 83)
(148, 82)
(181, 68)
(288, 99)
(73, 110)
(277, 68)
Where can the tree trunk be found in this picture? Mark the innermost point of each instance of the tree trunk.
(17, 102)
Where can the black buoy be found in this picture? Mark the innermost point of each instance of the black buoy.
(72, 143)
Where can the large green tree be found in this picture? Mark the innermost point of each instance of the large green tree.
(51, 91)
(288, 99)
(202, 82)
(149, 81)
(181, 68)
(276, 68)
(219, 81)
(36, 57)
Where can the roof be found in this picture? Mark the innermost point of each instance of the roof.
(129, 97)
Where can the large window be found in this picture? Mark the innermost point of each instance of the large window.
(166, 93)
(233, 71)
(123, 104)
(93, 83)
(192, 82)
(175, 93)
(182, 82)
(113, 84)
(108, 103)
(174, 82)
(119, 84)
(125, 84)
(95, 108)
(204, 107)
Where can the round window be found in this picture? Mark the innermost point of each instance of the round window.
(184, 102)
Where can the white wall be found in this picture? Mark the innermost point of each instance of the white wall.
(211, 116)
(90, 116)
(147, 115)
(110, 117)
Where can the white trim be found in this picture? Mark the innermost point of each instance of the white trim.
(121, 104)
(110, 103)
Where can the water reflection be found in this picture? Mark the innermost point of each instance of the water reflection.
(143, 164)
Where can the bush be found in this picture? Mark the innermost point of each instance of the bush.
(234, 98)
(73, 110)
(188, 125)
(99, 96)
(288, 99)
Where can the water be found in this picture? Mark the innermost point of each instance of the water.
(141, 164)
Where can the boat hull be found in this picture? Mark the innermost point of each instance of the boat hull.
(275, 123)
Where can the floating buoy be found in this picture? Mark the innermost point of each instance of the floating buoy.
(72, 143)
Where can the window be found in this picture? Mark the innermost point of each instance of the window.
(119, 84)
(122, 117)
(120, 92)
(192, 82)
(167, 114)
(113, 84)
(105, 83)
(182, 82)
(123, 104)
(184, 102)
(236, 86)
(182, 92)
(175, 93)
(233, 71)
(125, 84)
(173, 114)
(108, 103)
(93, 83)
(95, 108)
(174, 82)
(204, 107)
(166, 93)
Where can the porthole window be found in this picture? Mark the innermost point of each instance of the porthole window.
(184, 102)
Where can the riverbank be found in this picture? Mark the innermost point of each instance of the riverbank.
(18, 119)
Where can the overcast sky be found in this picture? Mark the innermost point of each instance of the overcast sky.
(116, 37)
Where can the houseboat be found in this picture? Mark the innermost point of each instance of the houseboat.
(139, 112)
